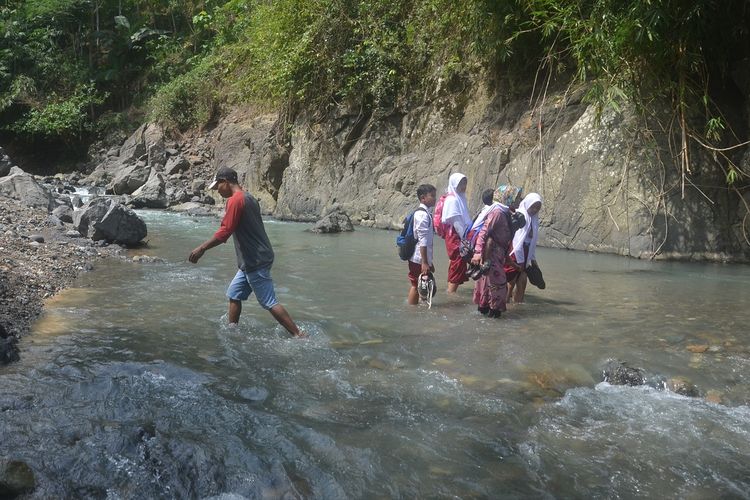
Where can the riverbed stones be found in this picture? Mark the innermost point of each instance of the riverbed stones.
(105, 219)
(64, 213)
(698, 349)
(683, 387)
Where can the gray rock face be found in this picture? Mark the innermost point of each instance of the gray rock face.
(603, 186)
(129, 179)
(104, 219)
(335, 221)
(144, 149)
(176, 165)
(24, 188)
(249, 147)
(152, 194)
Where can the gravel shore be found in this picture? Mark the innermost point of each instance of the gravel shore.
(38, 258)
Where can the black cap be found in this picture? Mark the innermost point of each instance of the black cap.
(224, 174)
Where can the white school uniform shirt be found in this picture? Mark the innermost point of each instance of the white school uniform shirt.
(423, 234)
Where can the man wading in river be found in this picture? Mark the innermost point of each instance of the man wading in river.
(254, 252)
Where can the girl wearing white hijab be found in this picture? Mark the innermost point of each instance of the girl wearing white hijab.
(456, 216)
(523, 250)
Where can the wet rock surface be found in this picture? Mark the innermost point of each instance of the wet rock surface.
(620, 373)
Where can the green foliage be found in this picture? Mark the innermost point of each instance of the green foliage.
(646, 49)
(65, 118)
(375, 53)
(185, 58)
(189, 100)
(62, 57)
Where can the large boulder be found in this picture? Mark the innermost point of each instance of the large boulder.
(334, 221)
(24, 188)
(105, 219)
(129, 179)
(152, 194)
(133, 147)
(153, 140)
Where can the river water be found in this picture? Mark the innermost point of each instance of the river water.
(132, 386)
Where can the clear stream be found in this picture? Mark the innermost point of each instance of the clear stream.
(132, 386)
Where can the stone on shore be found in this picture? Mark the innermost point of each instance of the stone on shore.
(105, 219)
(23, 187)
(8, 346)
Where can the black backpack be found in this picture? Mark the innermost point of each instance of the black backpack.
(406, 241)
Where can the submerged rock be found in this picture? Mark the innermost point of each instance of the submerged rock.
(16, 478)
(619, 373)
(683, 387)
(335, 221)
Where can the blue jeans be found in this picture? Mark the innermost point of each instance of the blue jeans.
(258, 281)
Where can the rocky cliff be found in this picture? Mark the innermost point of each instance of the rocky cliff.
(607, 186)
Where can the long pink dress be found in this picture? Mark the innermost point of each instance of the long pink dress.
(491, 289)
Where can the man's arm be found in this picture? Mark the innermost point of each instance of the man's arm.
(228, 225)
(198, 252)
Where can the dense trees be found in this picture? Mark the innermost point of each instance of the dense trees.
(68, 67)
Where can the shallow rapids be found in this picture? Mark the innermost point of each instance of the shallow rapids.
(131, 384)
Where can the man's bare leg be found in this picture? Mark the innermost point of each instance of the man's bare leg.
(282, 316)
(235, 309)
(452, 287)
(520, 288)
(413, 298)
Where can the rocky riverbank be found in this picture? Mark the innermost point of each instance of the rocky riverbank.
(39, 256)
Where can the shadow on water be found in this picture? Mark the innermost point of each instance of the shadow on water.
(133, 385)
